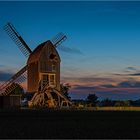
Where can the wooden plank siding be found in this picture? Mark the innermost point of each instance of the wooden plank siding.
(40, 63)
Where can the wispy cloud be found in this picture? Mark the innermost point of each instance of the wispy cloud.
(131, 71)
(129, 84)
(127, 74)
(125, 84)
(92, 80)
(116, 93)
(121, 91)
(131, 68)
(110, 87)
(135, 74)
(70, 50)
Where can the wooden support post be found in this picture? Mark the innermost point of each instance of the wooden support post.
(59, 103)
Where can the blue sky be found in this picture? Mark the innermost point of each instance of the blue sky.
(103, 42)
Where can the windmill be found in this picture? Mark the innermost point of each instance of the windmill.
(42, 70)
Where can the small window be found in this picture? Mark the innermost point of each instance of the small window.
(52, 56)
(52, 79)
(49, 79)
(45, 78)
(53, 68)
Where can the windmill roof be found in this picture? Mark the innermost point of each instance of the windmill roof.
(34, 56)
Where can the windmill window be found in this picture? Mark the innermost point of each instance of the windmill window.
(53, 68)
(52, 56)
(45, 78)
(52, 79)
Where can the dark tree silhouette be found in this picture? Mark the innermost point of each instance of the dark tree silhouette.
(92, 99)
(65, 90)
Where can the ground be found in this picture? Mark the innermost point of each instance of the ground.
(69, 124)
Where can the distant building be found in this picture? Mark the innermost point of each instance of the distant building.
(11, 101)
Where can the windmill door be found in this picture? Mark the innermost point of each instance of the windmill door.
(44, 80)
(48, 79)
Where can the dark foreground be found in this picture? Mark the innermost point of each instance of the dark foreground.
(69, 124)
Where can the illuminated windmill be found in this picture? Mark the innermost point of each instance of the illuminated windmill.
(43, 71)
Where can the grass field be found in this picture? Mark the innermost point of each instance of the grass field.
(121, 108)
(69, 124)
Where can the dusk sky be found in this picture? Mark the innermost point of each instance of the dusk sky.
(101, 54)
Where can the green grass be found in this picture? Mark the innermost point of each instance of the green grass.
(69, 124)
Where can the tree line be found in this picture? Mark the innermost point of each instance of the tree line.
(92, 100)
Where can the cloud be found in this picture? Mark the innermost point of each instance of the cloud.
(96, 79)
(128, 84)
(128, 74)
(79, 87)
(123, 90)
(70, 50)
(124, 84)
(108, 86)
(113, 86)
(131, 68)
(82, 92)
(5, 75)
(135, 74)
(116, 93)
(119, 74)
(90, 79)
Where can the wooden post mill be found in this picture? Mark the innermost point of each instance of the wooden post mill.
(42, 70)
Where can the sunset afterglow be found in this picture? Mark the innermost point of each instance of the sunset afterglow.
(101, 54)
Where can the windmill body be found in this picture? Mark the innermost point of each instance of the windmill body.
(43, 67)
(43, 71)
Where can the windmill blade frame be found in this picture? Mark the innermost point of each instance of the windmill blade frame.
(20, 76)
(16, 37)
(58, 39)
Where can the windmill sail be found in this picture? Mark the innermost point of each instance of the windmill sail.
(20, 76)
(58, 39)
(16, 37)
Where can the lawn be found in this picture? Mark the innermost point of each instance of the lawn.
(69, 124)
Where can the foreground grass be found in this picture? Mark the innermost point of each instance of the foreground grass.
(69, 124)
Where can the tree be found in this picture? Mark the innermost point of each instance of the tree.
(92, 99)
(17, 89)
(65, 89)
(107, 102)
